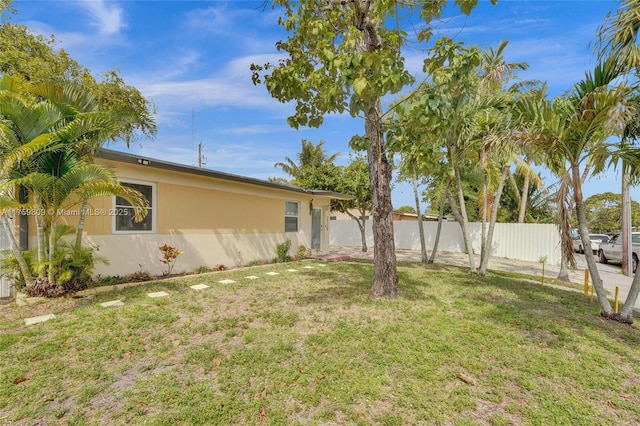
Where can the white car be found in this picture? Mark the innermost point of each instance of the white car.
(595, 239)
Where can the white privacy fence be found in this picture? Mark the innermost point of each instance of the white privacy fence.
(5, 284)
(529, 242)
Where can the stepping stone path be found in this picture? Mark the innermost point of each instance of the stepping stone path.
(112, 304)
(252, 277)
(158, 294)
(292, 270)
(227, 282)
(307, 267)
(38, 319)
(272, 273)
(199, 286)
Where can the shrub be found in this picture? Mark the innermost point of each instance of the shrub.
(282, 251)
(202, 270)
(303, 252)
(169, 257)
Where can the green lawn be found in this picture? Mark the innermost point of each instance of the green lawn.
(311, 347)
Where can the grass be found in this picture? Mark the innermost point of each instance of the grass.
(311, 347)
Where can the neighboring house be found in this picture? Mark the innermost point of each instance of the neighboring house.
(214, 218)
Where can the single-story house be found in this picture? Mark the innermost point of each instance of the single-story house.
(214, 218)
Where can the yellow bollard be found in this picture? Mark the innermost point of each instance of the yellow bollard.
(615, 303)
(586, 282)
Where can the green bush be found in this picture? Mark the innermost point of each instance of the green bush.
(282, 251)
(303, 252)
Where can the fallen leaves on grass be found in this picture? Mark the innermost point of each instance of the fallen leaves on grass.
(20, 380)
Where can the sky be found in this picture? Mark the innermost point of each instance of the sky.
(192, 58)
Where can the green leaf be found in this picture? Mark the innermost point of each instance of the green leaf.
(360, 85)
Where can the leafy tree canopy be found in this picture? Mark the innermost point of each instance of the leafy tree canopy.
(604, 212)
(35, 58)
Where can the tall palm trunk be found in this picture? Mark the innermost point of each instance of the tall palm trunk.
(464, 220)
(80, 229)
(15, 248)
(605, 306)
(524, 198)
(39, 219)
(440, 217)
(416, 197)
(484, 260)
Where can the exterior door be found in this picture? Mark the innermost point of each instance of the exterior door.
(316, 229)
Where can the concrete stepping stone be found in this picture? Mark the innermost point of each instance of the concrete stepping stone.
(226, 282)
(292, 270)
(272, 273)
(112, 304)
(38, 319)
(158, 294)
(321, 265)
(199, 286)
(252, 277)
(307, 267)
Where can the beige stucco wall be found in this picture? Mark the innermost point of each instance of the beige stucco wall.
(213, 221)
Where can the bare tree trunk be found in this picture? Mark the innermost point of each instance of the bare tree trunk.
(385, 275)
(445, 194)
(361, 221)
(416, 196)
(524, 198)
(605, 306)
(80, 229)
(625, 230)
(626, 313)
(484, 260)
(464, 220)
(15, 248)
(485, 208)
(39, 219)
(563, 275)
(52, 248)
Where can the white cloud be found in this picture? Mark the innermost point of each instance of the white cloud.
(107, 16)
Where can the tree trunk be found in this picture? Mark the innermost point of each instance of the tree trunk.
(605, 306)
(524, 198)
(625, 231)
(80, 229)
(361, 221)
(15, 248)
(563, 275)
(626, 313)
(464, 220)
(416, 196)
(39, 219)
(52, 248)
(440, 217)
(484, 260)
(385, 276)
(485, 208)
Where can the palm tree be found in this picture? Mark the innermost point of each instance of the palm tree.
(62, 182)
(46, 128)
(573, 132)
(313, 169)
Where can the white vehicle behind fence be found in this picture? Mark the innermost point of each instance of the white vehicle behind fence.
(612, 251)
(595, 239)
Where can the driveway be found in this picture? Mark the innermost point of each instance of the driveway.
(611, 274)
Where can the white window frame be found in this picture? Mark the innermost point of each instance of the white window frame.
(152, 210)
(297, 216)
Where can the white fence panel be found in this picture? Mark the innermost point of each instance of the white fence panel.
(529, 242)
(6, 289)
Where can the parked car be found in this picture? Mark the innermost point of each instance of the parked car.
(595, 239)
(612, 250)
